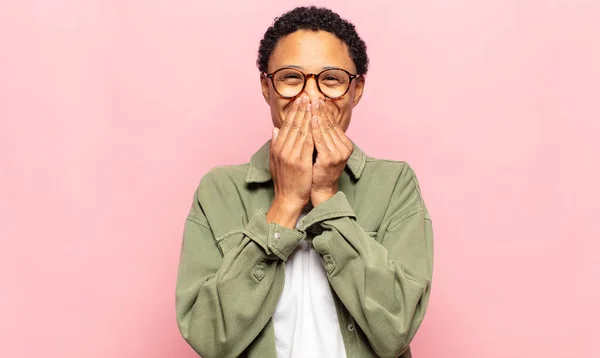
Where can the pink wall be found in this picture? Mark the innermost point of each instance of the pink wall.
(110, 112)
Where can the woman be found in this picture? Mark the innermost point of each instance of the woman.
(312, 249)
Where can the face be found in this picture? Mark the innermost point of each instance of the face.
(312, 52)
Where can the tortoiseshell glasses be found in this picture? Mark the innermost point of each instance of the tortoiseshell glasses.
(333, 83)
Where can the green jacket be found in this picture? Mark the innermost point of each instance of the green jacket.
(374, 237)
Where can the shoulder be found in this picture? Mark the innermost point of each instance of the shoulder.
(400, 177)
(399, 171)
(225, 173)
(379, 164)
(221, 180)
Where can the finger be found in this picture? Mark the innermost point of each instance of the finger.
(309, 144)
(330, 124)
(296, 124)
(317, 135)
(287, 121)
(343, 137)
(337, 134)
(322, 140)
(315, 107)
(303, 133)
(326, 131)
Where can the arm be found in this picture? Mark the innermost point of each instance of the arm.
(227, 293)
(384, 283)
(225, 299)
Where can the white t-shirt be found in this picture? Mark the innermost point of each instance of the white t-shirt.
(305, 319)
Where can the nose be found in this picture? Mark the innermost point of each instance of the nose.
(312, 90)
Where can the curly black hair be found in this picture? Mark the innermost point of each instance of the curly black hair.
(315, 19)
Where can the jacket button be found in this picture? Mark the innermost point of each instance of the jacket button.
(351, 327)
(277, 235)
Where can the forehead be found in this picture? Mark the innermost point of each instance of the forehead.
(312, 51)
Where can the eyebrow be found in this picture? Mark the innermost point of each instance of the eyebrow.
(302, 68)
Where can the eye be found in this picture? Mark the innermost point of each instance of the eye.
(292, 77)
(331, 80)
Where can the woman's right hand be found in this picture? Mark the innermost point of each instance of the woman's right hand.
(290, 163)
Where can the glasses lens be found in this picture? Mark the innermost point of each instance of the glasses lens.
(334, 83)
(288, 82)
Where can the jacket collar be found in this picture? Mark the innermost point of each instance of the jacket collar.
(258, 170)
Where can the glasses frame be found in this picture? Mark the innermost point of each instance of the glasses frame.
(306, 77)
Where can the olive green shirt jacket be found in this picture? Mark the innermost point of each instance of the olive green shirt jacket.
(374, 237)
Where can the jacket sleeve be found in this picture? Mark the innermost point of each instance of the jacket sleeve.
(383, 282)
(224, 298)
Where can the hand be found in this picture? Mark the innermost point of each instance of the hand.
(291, 164)
(333, 148)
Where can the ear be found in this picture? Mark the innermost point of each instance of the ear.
(264, 86)
(358, 90)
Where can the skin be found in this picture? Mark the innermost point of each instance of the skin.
(309, 148)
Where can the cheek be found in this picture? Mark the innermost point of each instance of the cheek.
(342, 113)
(340, 110)
(279, 110)
(285, 105)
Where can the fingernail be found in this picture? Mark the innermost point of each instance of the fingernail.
(297, 100)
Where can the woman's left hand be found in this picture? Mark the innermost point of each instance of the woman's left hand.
(333, 148)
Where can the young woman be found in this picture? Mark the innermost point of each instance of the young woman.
(313, 248)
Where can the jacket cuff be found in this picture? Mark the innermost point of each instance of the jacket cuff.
(272, 237)
(335, 207)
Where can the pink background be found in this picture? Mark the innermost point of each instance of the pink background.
(111, 111)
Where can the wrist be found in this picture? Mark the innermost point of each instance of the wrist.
(318, 197)
(285, 212)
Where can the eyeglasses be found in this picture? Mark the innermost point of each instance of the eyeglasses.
(333, 83)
